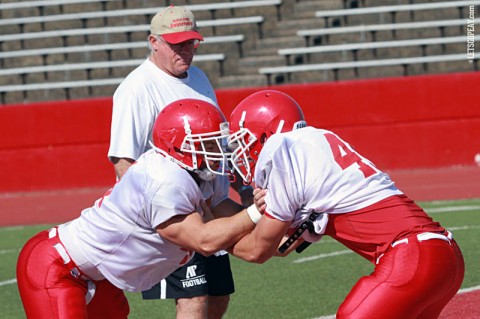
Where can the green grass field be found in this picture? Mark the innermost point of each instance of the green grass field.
(306, 285)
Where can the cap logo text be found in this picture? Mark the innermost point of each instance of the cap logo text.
(182, 22)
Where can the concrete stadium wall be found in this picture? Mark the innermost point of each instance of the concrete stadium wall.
(398, 123)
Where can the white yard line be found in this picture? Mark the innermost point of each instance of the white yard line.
(451, 209)
(8, 251)
(8, 282)
(12, 228)
(463, 227)
(312, 258)
(465, 290)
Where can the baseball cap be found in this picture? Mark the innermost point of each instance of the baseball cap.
(175, 25)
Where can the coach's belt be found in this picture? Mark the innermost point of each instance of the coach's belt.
(67, 260)
(425, 236)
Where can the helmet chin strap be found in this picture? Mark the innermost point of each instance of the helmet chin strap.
(205, 174)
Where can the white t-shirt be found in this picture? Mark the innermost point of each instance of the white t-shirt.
(140, 98)
(312, 169)
(117, 234)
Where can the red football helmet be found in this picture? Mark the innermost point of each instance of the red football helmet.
(190, 132)
(254, 120)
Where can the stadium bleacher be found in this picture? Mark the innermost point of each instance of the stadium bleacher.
(354, 65)
(393, 10)
(47, 44)
(321, 35)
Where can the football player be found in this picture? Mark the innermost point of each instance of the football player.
(149, 224)
(318, 185)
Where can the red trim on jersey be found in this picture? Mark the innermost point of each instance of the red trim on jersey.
(268, 215)
(290, 231)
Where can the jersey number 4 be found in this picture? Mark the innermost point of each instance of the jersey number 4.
(348, 157)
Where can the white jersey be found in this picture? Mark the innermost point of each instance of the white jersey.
(312, 169)
(117, 235)
(140, 98)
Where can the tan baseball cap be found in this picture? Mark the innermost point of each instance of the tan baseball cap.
(175, 25)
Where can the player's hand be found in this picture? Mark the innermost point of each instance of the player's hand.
(256, 210)
(259, 199)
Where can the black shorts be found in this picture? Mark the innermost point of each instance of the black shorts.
(200, 276)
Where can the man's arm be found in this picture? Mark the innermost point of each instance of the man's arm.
(190, 232)
(120, 165)
(262, 243)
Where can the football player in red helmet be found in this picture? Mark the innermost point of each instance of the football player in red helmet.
(317, 185)
(193, 133)
(254, 120)
(143, 229)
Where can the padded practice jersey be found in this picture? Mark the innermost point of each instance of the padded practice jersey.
(314, 170)
(118, 235)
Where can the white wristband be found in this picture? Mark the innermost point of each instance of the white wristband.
(253, 213)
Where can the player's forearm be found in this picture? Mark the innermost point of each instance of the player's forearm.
(249, 249)
(222, 233)
(262, 243)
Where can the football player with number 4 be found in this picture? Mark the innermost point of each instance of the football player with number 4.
(317, 185)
